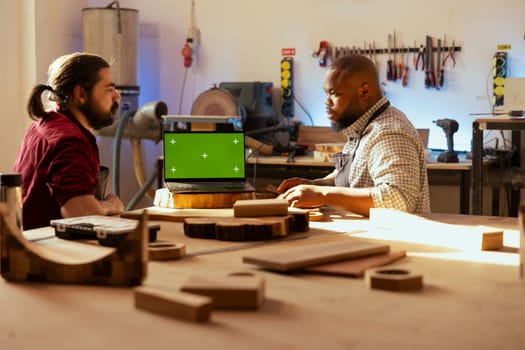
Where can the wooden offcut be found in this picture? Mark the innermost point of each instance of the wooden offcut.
(311, 135)
(491, 240)
(167, 199)
(22, 260)
(399, 280)
(356, 267)
(164, 250)
(313, 254)
(247, 229)
(175, 304)
(230, 291)
(260, 207)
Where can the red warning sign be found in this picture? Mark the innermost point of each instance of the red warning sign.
(288, 51)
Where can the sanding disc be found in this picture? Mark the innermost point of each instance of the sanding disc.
(215, 102)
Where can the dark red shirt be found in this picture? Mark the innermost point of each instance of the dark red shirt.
(58, 160)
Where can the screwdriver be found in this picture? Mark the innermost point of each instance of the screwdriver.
(389, 67)
(405, 72)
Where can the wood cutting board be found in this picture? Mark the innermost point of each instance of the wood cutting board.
(296, 258)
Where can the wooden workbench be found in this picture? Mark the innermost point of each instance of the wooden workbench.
(474, 300)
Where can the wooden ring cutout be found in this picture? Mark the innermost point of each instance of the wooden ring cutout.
(394, 279)
(162, 250)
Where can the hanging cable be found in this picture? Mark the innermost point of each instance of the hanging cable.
(304, 109)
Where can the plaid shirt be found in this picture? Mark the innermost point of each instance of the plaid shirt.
(387, 156)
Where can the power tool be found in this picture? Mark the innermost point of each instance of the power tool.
(449, 126)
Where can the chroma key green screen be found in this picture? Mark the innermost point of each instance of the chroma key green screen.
(203, 155)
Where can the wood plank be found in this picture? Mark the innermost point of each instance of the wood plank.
(356, 267)
(177, 215)
(315, 254)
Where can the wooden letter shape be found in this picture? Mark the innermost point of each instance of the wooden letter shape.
(232, 291)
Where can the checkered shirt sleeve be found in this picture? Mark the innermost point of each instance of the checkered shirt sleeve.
(389, 158)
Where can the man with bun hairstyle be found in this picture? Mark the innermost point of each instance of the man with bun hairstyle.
(59, 157)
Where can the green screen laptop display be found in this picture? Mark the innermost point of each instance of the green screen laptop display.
(203, 156)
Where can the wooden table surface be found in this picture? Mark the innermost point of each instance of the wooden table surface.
(470, 299)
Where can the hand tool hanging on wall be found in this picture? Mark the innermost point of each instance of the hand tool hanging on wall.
(395, 72)
(440, 72)
(430, 80)
(373, 51)
(401, 65)
(449, 54)
(420, 58)
(389, 67)
(405, 71)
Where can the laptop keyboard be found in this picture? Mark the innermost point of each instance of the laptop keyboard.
(206, 186)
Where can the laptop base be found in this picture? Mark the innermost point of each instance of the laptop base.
(209, 187)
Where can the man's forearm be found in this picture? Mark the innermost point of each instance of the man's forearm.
(328, 180)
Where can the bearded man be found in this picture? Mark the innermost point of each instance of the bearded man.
(59, 158)
(383, 162)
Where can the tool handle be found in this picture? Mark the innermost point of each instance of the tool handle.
(427, 79)
(405, 76)
(441, 77)
(394, 72)
(432, 79)
(401, 71)
(389, 70)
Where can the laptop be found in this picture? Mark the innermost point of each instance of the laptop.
(205, 161)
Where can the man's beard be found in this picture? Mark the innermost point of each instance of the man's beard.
(97, 118)
(344, 122)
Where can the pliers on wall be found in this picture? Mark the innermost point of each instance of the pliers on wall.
(450, 54)
(420, 56)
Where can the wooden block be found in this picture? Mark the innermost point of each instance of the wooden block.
(492, 240)
(164, 250)
(310, 135)
(29, 261)
(329, 147)
(258, 146)
(186, 306)
(393, 279)
(177, 215)
(233, 291)
(316, 215)
(260, 207)
(356, 267)
(247, 229)
(167, 199)
(315, 254)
